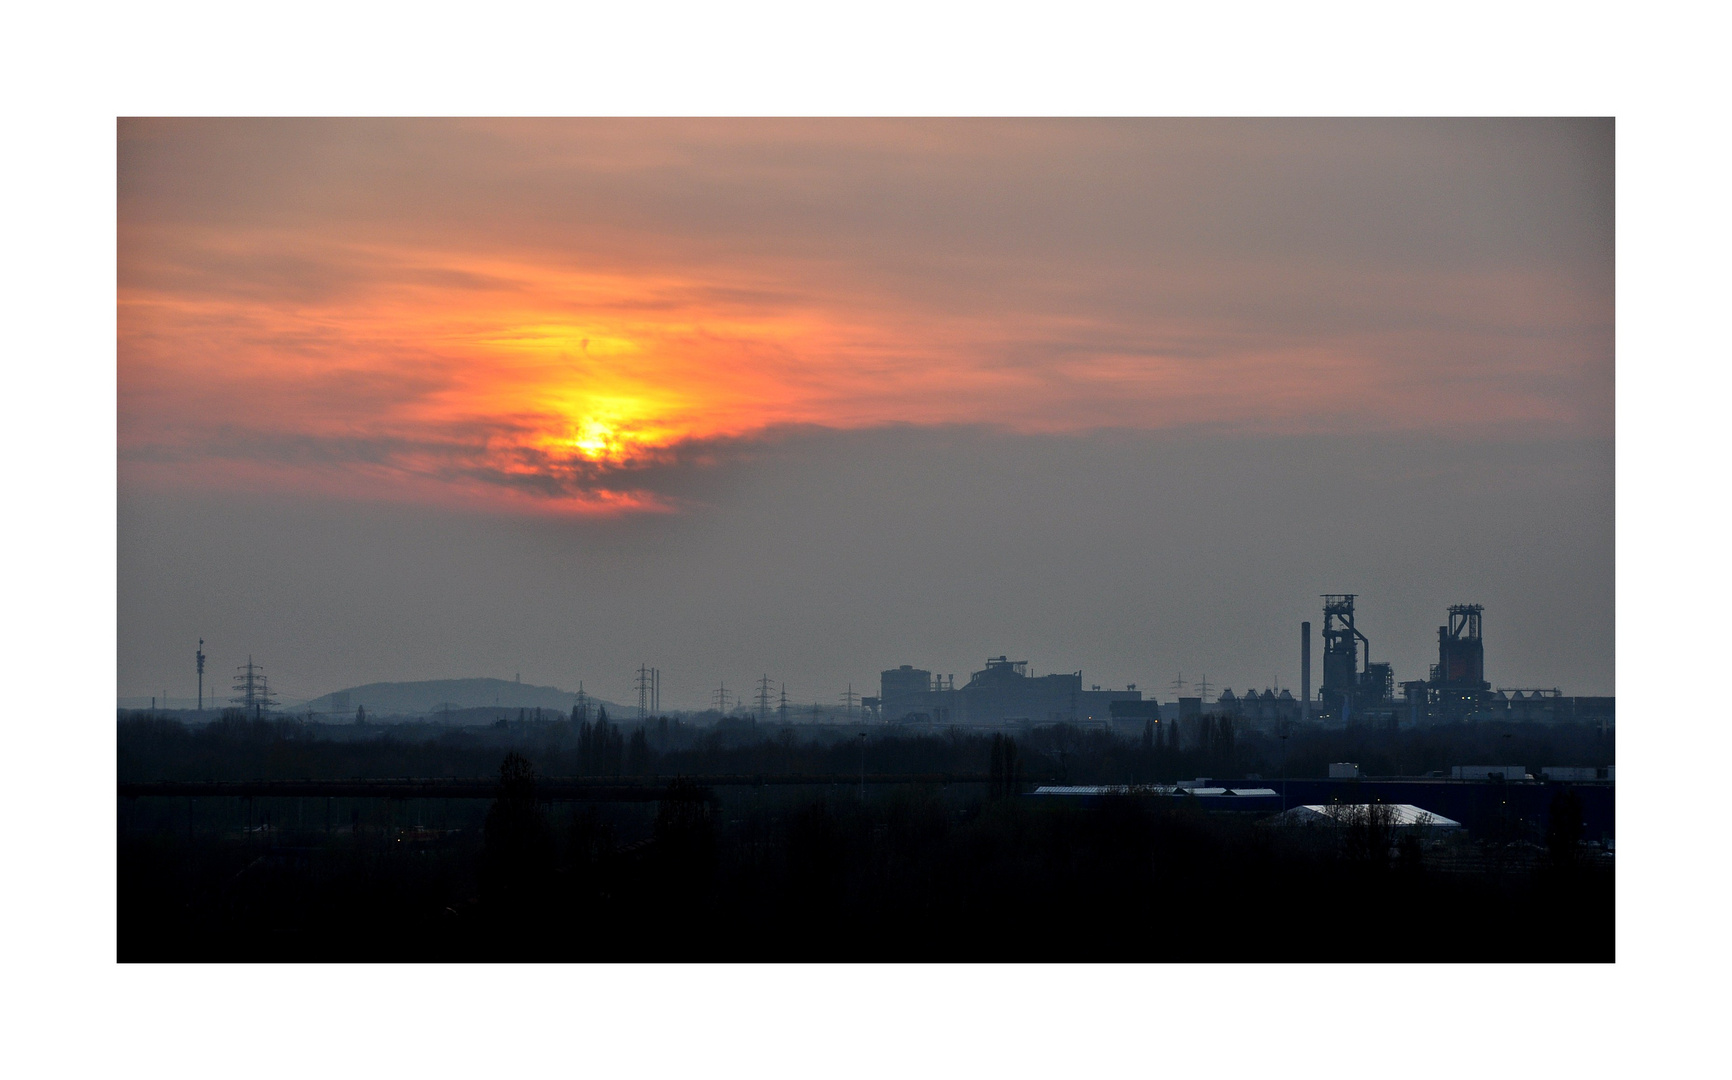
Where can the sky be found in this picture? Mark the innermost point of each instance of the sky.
(812, 398)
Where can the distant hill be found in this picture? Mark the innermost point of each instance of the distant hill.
(431, 695)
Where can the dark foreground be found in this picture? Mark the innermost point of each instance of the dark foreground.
(710, 869)
(910, 874)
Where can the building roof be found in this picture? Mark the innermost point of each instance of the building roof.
(1151, 789)
(1336, 814)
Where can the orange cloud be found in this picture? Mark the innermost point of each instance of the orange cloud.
(325, 338)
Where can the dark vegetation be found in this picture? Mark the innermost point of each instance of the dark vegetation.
(910, 872)
(239, 748)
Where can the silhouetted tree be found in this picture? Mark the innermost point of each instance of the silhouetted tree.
(1225, 739)
(1370, 831)
(606, 752)
(685, 839)
(519, 848)
(1564, 828)
(637, 761)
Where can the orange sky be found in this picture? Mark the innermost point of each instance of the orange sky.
(534, 315)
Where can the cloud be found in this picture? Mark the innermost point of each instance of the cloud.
(540, 311)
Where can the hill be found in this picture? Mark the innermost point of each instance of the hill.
(432, 695)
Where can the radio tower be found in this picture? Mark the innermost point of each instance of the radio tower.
(252, 690)
(201, 674)
(764, 697)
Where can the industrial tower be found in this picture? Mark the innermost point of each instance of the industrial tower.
(1348, 691)
(252, 690)
(649, 691)
(1457, 683)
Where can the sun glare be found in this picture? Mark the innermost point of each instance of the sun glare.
(595, 440)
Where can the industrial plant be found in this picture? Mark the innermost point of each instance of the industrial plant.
(1355, 690)
(1001, 693)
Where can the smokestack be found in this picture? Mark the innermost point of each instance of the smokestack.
(1305, 669)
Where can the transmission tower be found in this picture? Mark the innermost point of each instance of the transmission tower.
(252, 690)
(645, 691)
(850, 699)
(1203, 688)
(1177, 686)
(720, 698)
(782, 709)
(764, 697)
(201, 674)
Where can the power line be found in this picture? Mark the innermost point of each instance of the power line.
(764, 697)
(252, 689)
(648, 683)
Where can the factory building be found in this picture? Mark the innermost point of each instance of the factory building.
(1263, 709)
(1002, 693)
(1455, 689)
(1355, 690)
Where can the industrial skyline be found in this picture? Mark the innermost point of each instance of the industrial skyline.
(1351, 686)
